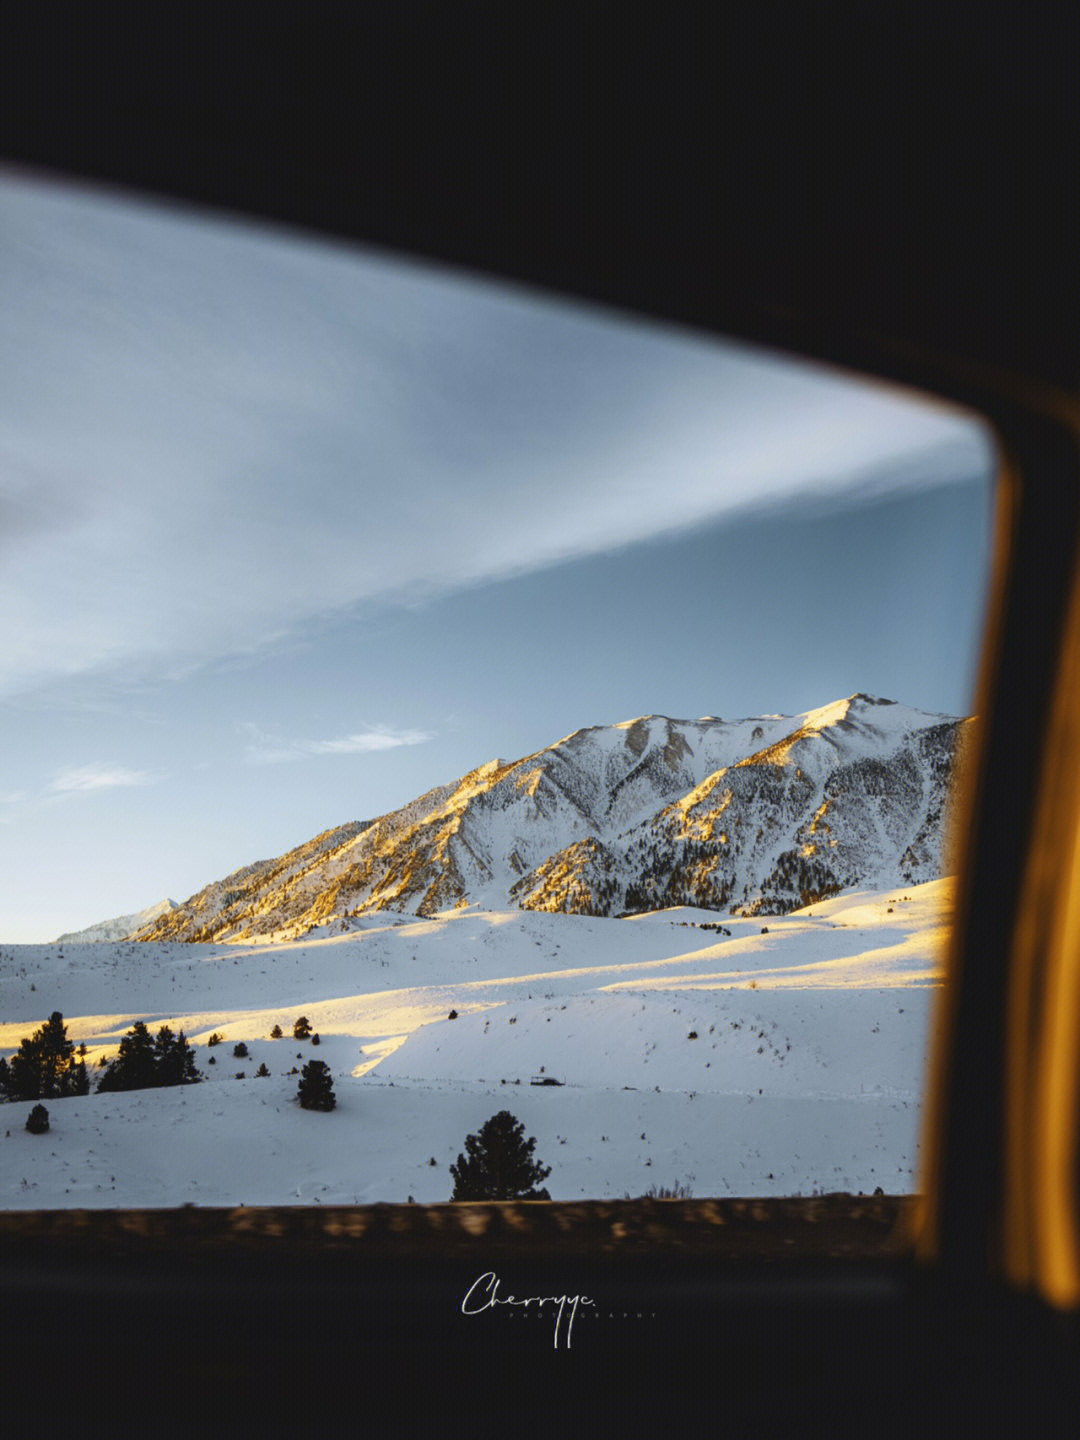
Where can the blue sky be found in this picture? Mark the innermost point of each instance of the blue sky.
(290, 533)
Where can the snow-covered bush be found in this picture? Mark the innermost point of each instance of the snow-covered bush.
(37, 1122)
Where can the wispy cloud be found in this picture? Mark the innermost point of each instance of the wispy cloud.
(193, 410)
(371, 740)
(263, 749)
(95, 777)
(10, 803)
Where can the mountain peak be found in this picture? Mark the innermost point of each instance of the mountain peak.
(120, 927)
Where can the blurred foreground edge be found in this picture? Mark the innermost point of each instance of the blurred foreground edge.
(832, 1225)
(782, 1313)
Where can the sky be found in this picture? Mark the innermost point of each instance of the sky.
(292, 531)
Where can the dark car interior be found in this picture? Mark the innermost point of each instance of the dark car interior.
(907, 210)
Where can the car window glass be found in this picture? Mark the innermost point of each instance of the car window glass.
(521, 708)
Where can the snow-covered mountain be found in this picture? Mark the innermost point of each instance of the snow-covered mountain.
(752, 816)
(120, 927)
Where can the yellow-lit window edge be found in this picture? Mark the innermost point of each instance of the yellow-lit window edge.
(1038, 1241)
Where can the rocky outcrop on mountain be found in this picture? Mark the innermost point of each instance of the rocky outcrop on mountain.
(754, 816)
(847, 798)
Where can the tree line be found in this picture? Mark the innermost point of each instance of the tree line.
(47, 1065)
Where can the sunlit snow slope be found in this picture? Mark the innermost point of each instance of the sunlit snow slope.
(730, 1054)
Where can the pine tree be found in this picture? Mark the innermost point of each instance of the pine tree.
(164, 1044)
(499, 1164)
(37, 1122)
(40, 1068)
(316, 1088)
(133, 1068)
(76, 1081)
(174, 1059)
(302, 1029)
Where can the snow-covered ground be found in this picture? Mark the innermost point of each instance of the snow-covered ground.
(805, 1074)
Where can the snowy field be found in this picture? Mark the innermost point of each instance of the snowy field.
(806, 1073)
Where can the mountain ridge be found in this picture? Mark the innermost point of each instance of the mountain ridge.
(749, 816)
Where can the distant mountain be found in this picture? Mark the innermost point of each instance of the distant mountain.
(752, 816)
(121, 927)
